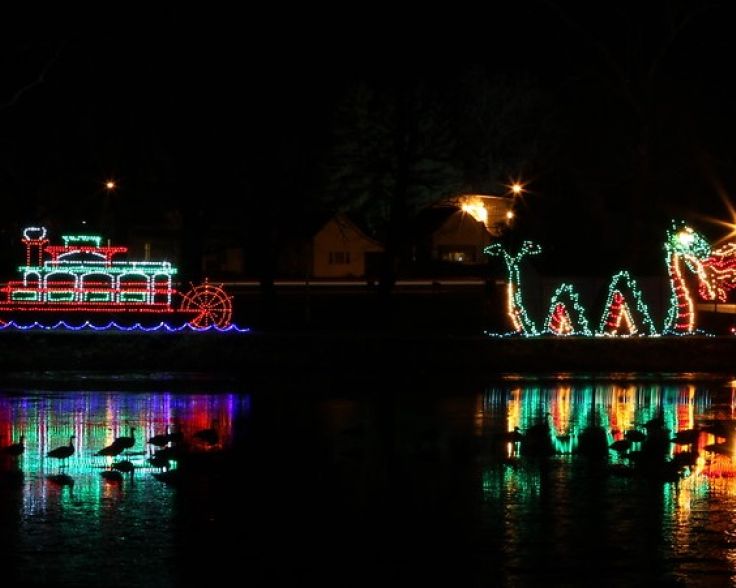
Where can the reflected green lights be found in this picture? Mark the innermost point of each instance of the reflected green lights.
(567, 410)
(96, 419)
(551, 510)
(80, 523)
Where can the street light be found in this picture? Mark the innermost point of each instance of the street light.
(108, 219)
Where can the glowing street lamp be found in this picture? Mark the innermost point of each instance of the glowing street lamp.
(517, 188)
(108, 220)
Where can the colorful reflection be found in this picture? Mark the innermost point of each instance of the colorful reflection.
(567, 410)
(501, 479)
(90, 518)
(683, 497)
(63, 434)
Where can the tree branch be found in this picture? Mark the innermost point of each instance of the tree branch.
(40, 79)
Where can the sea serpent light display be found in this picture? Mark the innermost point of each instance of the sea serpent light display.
(625, 312)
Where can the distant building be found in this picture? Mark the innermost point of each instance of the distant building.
(458, 230)
(338, 249)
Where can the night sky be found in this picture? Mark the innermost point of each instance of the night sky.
(619, 118)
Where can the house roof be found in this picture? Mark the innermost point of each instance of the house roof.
(428, 220)
(343, 219)
(313, 224)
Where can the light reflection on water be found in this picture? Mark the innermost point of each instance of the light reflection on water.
(608, 520)
(65, 523)
(351, 487)
(485, 513)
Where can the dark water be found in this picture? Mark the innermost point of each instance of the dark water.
(359, 487)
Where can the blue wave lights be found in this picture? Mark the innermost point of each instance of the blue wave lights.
(161, 327)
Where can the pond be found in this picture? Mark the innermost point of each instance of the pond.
(416, 484)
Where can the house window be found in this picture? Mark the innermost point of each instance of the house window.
(339, 257)
(457, 253)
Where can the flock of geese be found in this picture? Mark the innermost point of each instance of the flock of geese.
(644, 451)
(169, 446)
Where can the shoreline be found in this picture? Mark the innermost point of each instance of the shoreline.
(350, 356)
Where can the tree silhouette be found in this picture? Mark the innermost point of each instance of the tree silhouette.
(502, 129)
(634, 151)
(392, 155)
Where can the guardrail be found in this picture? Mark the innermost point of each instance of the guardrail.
(361, 283)
(719, 307)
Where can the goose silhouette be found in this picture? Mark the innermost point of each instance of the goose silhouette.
(515, 436)
(126, 442)
(64, 452)
(112, 476)
(159, 461)
(686, 437)
(169, 477)
(111, 450)
(174, 452)
(621, 446)
(61, 480)
(163, 439)
(635, 436)
(209, 436)
(124, 466)
(160, 440)
(118, 445)
(15, 449)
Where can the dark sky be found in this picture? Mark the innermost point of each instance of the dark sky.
(636, 103)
